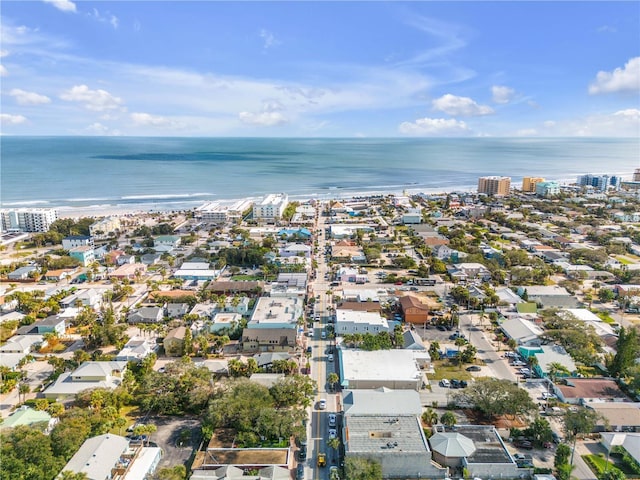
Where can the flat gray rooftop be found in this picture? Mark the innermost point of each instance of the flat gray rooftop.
(380, 434)
(489, 447)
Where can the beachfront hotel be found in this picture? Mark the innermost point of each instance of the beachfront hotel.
(494, 185)
(271, 207)
(28, 219)
(529, 184)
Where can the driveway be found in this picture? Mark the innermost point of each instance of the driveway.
(169, 435)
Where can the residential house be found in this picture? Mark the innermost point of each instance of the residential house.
(295, 250)
(85, 297)
(549, 296)
(150, 258)
(129, 271)
(137, 348)
(104, 226)
(74, 241)
(51, 324)
(23, 273)
(412, 216)
(546, 356)
(98, 456)
(146, 315)
(84, 254)
(86, 376)
(31, 418)
(125, 259)
(22, 344)
(412, 341)
(224, 321)
(469, 271)
(268, 339)
(166, 243)
(176, 310)
(414, 310)
(174, 342)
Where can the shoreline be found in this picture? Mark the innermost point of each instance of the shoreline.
(163, 204)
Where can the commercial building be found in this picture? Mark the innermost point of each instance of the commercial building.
(529, 184)
(281, 312)
(271, 207)
(494, 186)
(28, 219)
(395, 369)
(396, 441)
(354, 321)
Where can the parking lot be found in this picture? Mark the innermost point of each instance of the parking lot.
(169, 437)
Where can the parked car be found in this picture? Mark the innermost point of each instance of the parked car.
(473, 368)
(525, 444)
(302, 453)
(333, 433)
(322, 404)
(455, 383)
(309, 349)
(330, 357)
(445, 383)
(548, 396)
(332, 419)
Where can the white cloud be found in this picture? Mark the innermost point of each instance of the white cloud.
(606, 29)
(63, 5)
(107, 17)
(3, 71)
(8, 119)
(141, 119)
(269, 40)
(29, 98)
(502, 94)
(433, 127)
(626, 79)
(462, 106)
(622, 123)
(264, 119)
(96, 100)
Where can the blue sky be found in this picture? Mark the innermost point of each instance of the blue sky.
(335, 69)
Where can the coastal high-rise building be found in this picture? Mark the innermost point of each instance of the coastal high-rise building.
(529, 184)
(271, 207)
(599, 182)
(494, 185)
(547, 189)
(28, 219)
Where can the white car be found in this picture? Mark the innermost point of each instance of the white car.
(525, 371)
(333, 433)
(445, 383)
(332, 419)
(323, 335)
(330, 357)
(322, 404)
(548, 396)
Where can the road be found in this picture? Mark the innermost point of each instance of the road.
(320, 368)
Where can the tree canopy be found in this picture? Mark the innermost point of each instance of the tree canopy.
(494, 397)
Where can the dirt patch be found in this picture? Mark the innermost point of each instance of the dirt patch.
(242, 456)
(504, 421)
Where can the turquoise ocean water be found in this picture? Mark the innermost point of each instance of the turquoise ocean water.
(175, 173)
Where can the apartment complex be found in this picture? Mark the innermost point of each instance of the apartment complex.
(494, 185)
(219, 212)
(104, 226)
(271, 207)
(529, 184)
(547, 189)
(28, 219)
(600, 182)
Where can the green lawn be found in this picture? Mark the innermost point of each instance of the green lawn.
(444, 369)
(236, 278)
(597, 464)
(131, 413)
(623, 260)
(605, 317)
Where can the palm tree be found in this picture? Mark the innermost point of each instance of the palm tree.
(430, 417)
(23, 389)
(332, 379)
(556, 368)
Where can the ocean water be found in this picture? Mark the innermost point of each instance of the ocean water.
(175, 173)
